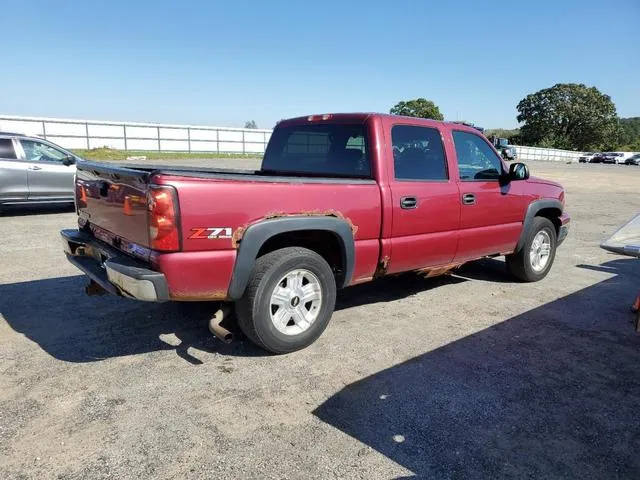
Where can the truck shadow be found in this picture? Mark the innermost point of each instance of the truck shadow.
(550, 393)
(35, 209)
(70, 326)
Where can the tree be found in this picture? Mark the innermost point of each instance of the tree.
(420, 107)
(509, 134)
(250, 124)
(570, 116)
(630, 131)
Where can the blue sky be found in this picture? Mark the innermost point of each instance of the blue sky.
(225, 62)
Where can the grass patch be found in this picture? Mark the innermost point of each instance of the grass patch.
(117, 155)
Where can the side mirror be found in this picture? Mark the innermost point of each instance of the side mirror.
(69, 160)
(518, 171)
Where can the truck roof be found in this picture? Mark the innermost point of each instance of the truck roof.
(362, 116)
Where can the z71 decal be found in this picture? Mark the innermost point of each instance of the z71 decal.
(211, 233)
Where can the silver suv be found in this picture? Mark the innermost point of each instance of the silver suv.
(33, 170)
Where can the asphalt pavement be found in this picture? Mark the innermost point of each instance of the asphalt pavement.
(466, 376)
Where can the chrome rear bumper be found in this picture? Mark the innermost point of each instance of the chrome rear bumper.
(113, 271)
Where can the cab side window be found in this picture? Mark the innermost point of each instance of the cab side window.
(41, 152)
(418, 153)
(476, 159)
(6, 149)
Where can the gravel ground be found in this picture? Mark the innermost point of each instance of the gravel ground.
(467, 376)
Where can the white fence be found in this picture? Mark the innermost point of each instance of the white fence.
(81, 134)
(546, 154)
(88, 134)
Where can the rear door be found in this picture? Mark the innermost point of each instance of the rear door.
(48, 177)
(426, 206)
(492, 213)
(13, 173)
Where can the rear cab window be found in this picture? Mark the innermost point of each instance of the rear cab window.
(6, 149)
(319, 149)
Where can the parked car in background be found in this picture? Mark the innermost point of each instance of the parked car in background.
(610, 157)
(586, 158)
(598, 157)
(621, 157)
(633, 160)
(34, 170)
(606, 157)
(502, 145)
(613, 157)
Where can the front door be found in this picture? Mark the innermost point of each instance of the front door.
(492, 213)
(426, 210)
(48, 177)
(13, 173)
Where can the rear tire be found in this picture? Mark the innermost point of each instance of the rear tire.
(289, 300)
(534, 260)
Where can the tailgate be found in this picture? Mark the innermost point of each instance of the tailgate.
(113, 198)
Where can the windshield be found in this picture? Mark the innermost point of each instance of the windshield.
(329, 149)
(503, 142)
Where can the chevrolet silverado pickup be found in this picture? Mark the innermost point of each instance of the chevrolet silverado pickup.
(340, 199)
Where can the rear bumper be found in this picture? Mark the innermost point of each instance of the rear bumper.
(116, 273)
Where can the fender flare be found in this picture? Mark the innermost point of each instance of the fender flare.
(532, 211)
(258, 233)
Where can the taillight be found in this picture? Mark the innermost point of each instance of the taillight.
(164, 228)
(80, 197)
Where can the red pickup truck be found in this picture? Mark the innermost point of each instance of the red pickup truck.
(340, 199)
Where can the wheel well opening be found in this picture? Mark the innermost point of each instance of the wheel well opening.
(324, 243)
(552, 214)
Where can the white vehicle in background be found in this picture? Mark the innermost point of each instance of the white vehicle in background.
(621, 157)
(586, 157)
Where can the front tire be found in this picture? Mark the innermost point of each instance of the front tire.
(289, 300)
(533, 262)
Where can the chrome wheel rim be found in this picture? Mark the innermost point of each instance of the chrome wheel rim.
(295, 302)
(540, 252)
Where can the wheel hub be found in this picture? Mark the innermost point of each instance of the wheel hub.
(295, 302)
(540, 251)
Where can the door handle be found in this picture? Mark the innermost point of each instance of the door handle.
(35, 167)
(468, 199)
(408, 203)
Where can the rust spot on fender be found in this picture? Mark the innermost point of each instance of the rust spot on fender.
(239, 232)
(271, 215)
(315, 213)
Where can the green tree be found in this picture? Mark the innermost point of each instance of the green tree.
(251, 124)
(630, 132)
(570, 116)
(420, 107)
(509, 134)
